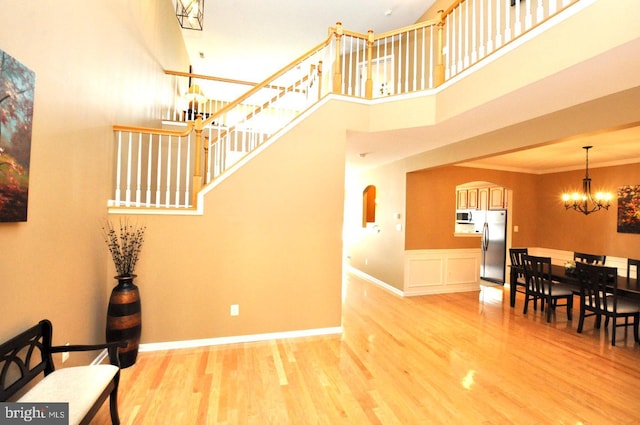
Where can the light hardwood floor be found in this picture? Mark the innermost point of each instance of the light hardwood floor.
(465, 358)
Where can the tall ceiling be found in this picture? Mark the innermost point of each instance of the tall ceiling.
(251, 39)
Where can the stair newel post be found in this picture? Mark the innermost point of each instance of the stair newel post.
(368, 87)
(319, 80)
(197, 169)
(206, 160)
(439, 71)
(337, 66)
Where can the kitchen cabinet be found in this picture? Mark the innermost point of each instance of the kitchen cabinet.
(496, 198)
(481, 198)
(462, 196)
(472, 199)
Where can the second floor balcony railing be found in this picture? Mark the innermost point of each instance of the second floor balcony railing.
(160, 169)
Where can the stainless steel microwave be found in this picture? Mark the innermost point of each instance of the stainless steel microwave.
(464, 217)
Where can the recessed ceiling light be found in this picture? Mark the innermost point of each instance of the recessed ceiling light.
(388, 12)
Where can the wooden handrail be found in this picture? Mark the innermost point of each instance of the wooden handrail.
(209, 77)
(451, 8)
(251, 114)
(218, 79)
(158, 131)
(417, 25)
(265, 83)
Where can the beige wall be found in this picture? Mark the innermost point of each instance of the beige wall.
(431, 205)
(377, 251)
(96, 65)
(269, 241)
(597, 233)
(537, 210)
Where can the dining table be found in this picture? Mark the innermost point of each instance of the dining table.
(626, 286)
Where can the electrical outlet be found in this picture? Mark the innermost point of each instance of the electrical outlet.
(234, 310)
(65, 355)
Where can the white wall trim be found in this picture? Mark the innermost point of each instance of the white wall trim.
(194, 343)
(439, 271)
(383, 285)
(560, 257)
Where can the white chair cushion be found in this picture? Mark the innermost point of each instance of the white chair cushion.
(79, 386)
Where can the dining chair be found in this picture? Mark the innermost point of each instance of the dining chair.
(517, 280)
(632, 263)
(540, 287)
(599, 297)
(580, 257)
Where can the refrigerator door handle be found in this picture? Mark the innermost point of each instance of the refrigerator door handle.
(485, 236)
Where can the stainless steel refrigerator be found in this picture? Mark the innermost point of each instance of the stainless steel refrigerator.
(494, 246)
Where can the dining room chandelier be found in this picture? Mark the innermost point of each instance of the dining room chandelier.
(190, 14)
(585, 202)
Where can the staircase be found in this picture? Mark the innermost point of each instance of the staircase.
(168, 170)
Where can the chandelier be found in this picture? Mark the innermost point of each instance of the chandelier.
(585, 202)
(190, 14)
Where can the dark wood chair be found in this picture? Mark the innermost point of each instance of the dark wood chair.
(599, 297)
(632, 263)
(540, 287)
(580, 257)
(517, 279)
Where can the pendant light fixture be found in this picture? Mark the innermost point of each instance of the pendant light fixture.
(585, 202)
(190, 14)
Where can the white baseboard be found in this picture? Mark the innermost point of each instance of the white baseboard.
(193, 343)
(373, 280)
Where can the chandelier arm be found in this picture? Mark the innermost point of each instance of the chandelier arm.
(580, 202)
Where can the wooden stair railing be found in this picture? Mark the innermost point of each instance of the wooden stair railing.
(160, 169)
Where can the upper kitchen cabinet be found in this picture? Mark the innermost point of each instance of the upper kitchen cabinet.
(482, 198)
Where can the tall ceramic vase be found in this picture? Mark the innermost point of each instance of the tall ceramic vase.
(124, 319)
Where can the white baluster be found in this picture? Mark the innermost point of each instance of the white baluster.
(178, 169)
(424, 57)
(159, 172)
(553, 7)
(507, 19)
(127, 200)
(347, 76)
(498, 25)
(528, 18)
(460, 38)
(399, 78)
(481, 50)
(431, 56)
(118, 169)
(149, 162)
(139, 170)
(489, 27)
(474, 35)
(187, 172)
(343, 89)
(406, 65)
(467, 35)
(518, 23)
(539, 12)
(167, 195)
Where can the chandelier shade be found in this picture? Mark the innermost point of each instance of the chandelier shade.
(190, 14)
(195, 94)
(584, 201)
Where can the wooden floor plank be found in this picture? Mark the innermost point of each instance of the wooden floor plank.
(439, 359)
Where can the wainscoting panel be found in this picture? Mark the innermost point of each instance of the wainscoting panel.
(560, 257)
(437, 271)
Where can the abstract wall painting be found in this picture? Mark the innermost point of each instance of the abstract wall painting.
(629, 209)
(17, 87)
